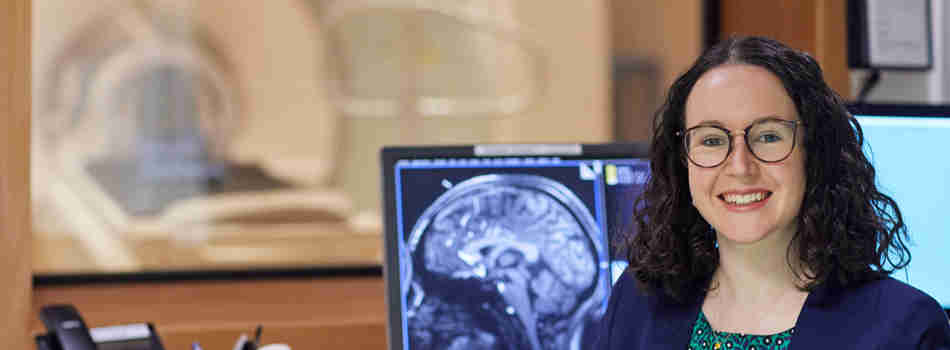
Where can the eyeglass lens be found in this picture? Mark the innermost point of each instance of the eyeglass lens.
(769, 141)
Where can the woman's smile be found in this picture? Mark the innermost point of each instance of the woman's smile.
(745, 200)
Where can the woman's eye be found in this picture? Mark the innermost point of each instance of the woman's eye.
(769, 138)
(713, 141)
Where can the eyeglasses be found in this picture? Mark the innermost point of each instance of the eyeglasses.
(769, 140)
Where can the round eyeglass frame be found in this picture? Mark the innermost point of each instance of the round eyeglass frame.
(745, 131)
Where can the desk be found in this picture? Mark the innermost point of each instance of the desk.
(306, 313)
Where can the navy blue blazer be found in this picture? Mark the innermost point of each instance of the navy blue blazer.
(883, 314)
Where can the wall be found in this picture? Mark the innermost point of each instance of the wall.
(14, 173)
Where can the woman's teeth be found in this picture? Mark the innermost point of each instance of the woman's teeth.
(744, 198)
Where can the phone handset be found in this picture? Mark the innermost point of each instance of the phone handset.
(67, 327)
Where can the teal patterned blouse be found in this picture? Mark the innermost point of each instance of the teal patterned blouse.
(704, 337)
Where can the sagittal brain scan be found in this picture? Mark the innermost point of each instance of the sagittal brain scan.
(503, 261)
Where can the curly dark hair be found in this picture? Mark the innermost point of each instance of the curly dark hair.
(848, 231)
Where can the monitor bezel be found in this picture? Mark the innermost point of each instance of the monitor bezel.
(390, 155)
(899, 110)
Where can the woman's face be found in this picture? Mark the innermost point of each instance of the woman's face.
(745, 199)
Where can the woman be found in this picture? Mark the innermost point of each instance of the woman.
(761, 226)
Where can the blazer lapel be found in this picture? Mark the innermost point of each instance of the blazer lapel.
(816, 321)
(674, 323)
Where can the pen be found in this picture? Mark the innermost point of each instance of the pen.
(239, 345)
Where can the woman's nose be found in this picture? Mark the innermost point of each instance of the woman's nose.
(741, 162)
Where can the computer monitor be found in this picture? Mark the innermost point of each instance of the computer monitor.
(908, 146)
(504, 246)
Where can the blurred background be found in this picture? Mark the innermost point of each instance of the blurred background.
(181, 135)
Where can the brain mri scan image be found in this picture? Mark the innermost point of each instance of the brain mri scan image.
(503, 261)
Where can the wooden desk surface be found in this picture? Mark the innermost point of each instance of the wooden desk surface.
(320, 313)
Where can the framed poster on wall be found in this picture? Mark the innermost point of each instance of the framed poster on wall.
(890, 34)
